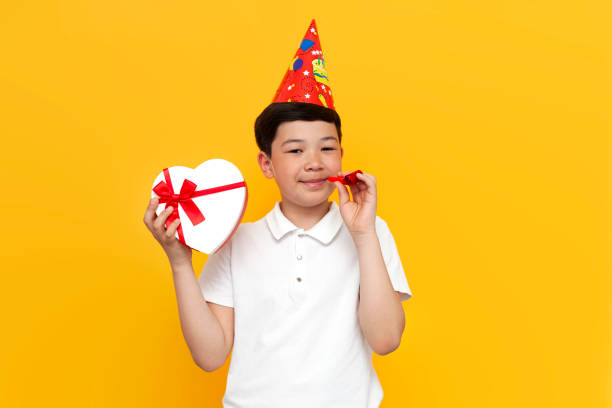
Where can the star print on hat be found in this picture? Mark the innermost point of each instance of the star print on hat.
(306, 79)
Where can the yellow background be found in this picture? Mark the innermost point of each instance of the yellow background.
(485, 122)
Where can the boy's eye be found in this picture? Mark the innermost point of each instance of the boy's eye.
(299, 150)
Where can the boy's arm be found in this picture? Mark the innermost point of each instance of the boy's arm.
(209, 340)
(203, 331)
(381, 315)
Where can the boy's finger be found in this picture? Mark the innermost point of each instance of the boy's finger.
(173, 227)
(369, 183)
(161, 220)
(354, 190)
(342, 192)
(366, 179)
(149, 215)
(366, 176)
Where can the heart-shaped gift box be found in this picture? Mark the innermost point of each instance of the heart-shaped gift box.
(210, 201)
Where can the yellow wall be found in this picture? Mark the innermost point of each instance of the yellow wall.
(485, 122)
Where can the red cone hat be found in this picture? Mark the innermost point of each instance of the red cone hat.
(306, 79)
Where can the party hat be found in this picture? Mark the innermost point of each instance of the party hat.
(306, 79)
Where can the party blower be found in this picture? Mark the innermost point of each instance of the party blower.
(349, 179)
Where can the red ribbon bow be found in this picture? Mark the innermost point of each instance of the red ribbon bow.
(165, 191)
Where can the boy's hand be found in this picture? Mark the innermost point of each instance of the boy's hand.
(176, 251)
(360, 214)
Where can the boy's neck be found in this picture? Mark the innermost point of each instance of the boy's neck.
(304, 217)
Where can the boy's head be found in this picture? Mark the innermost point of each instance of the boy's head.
(300, 147)
(268, 121)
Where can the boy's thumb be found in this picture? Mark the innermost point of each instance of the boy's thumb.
(342, 192)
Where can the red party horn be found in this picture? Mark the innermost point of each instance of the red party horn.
(350, 178)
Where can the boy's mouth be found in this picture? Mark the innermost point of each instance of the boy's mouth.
(314, 182)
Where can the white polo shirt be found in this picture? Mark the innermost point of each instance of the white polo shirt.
(297, 338)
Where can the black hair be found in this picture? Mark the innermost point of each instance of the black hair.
(276, 113)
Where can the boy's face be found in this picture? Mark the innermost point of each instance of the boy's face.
(304, 154)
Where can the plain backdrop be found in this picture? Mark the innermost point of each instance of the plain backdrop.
(486, 124)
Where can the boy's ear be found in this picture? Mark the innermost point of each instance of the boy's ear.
(265, 164)
(341, 152)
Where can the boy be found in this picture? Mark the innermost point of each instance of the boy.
(305, 294)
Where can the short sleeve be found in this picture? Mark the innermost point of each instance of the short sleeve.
(392, 260)
(216, 278)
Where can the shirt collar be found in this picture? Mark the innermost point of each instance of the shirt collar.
(324, 230)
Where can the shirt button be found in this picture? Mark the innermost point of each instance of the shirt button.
(299, 279)
(299, 257)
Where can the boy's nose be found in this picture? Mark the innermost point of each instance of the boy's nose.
(313, 162)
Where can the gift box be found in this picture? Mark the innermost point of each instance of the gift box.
(210, 201)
